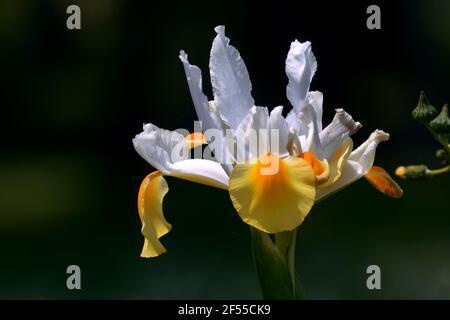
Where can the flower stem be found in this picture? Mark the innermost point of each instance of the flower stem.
(274, 263)
(436, 172)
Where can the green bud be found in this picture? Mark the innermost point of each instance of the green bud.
(424, 112)
(442, 156)
(412, 172)
(441, 124)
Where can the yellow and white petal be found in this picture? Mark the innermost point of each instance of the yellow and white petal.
(337, 162)
(320, 168)
(358, 164)
(273, 195)
(230, 80)
(383, 182)
(301, 65)
(337, 131)
(154, 225)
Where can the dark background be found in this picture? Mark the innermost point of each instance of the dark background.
(71, 101)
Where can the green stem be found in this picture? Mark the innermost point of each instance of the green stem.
(274, 263)
(436, 172)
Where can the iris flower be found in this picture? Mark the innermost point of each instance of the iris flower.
(274, 186)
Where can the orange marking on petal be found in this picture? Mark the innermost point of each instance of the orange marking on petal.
(195, 139)
(316, 164)
(383, 182)
(340, 151)
(269, 174)
(142, 190)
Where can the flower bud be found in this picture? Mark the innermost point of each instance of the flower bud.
(424, 112)
(412, 172)
(441, 124)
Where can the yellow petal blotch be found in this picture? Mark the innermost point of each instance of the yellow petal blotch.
(273, 194)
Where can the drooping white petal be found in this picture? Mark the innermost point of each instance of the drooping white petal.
(201, 171)
(337, 131)
(358, 164)
(167, 151)
(364, 155)
(230, 80)
(278, 132)
(157, 146)
(208, 117)
(301, 65)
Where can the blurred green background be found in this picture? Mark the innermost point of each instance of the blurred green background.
(71, 102)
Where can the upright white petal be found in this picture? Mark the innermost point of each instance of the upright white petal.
(337, 131)
(277, 124)
(309, 133)
(301, 65)
(209, 118)
(251, 135)
(206, 110)
(315, 98)
(358, 164)
(230, 80)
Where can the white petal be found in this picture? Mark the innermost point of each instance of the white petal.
(315, 98)
(209, 118)
(308, 133)
(358, 164)
(201, 171)
(293, 121)
(251, 135)
(337, 131)
(156, 146)
(230, 81)
(277, 122)
(364, 155)
(301, 65)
